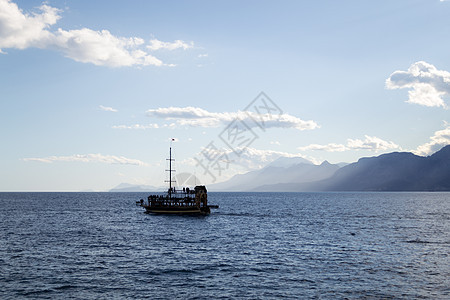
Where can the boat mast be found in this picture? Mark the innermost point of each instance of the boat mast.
(170, 170)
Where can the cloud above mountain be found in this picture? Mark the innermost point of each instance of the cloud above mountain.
(21, 30)
(428, 84)
(371, 143)
(210, 158)
(439, 139)
(252, 158)
(198, 117)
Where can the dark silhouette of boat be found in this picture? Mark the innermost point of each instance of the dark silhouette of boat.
(178, 201)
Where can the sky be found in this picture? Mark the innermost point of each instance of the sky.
(93, 93)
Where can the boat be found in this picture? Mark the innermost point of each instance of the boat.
(185, 201)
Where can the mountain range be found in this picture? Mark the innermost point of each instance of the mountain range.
(397, 171)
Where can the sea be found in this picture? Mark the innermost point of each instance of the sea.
(255, 246)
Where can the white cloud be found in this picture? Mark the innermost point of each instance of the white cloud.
(429, 85)
(171, 125)
(136, 126)
(22, 30)
(440, 139)
(101, 48)
(106, 108)
(90, 158)
(198, 117)
(157, 45)
(202, 55)
(369, 143)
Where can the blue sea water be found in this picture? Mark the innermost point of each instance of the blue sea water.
(255, 246)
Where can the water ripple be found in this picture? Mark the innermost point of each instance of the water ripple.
(256, 246)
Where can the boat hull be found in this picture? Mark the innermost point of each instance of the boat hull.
(177, 210)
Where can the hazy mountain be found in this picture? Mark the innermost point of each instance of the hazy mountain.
(398, 171)
(285, 162)
(280, 171)
(126, 187)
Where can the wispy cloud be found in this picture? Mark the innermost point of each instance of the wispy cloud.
(89, 158)
(136, 126)
(429, 85)
(22, 30)
(198, 117)
(439, 139)
(106, 108)
(371, 143)
(178, 44)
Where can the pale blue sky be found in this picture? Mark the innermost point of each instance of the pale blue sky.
(78, 77)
